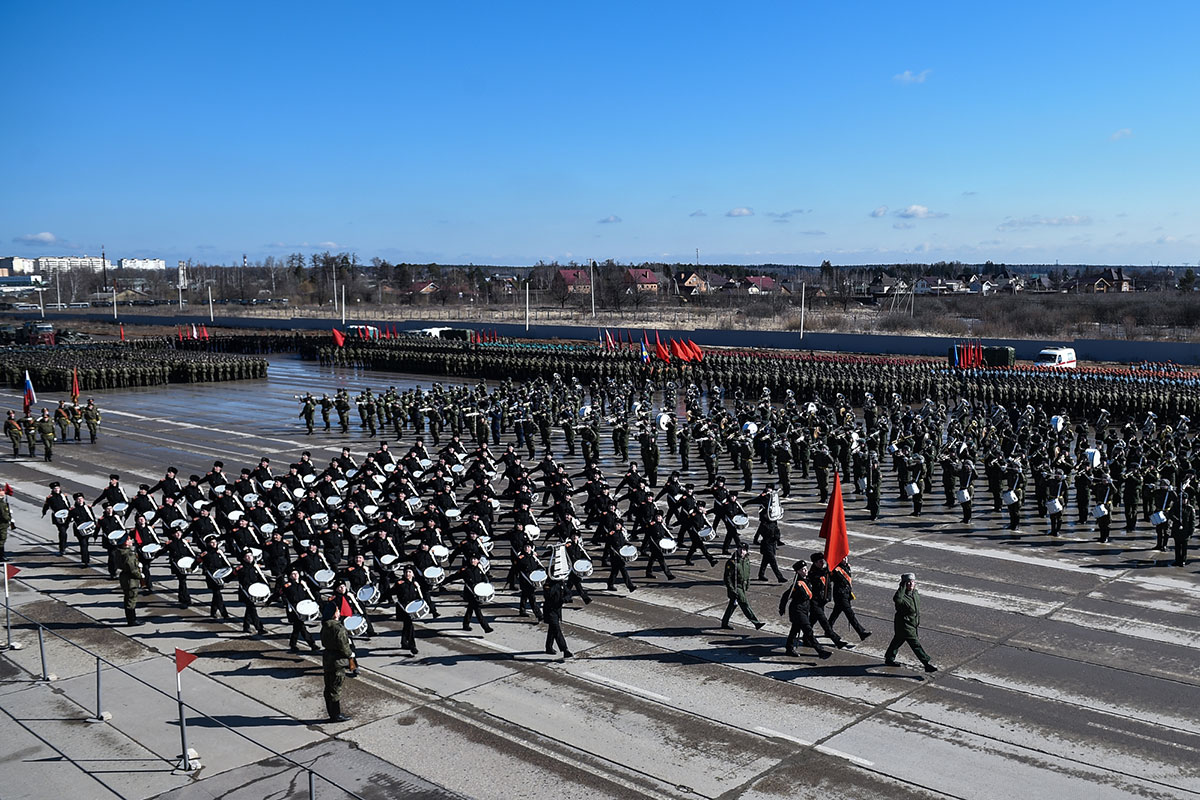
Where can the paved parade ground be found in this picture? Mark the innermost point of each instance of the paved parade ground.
(1068, 667)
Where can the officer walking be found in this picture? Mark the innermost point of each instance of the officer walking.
(907, 624)
(336, 656)
(737, 583)
(130, 573)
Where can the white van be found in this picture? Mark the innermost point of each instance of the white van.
(1057, 358)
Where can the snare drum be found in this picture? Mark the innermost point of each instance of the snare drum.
(484, 592)
(389, 468)
(741, 521)
(356, 625)
(425, 463)
(417, 609)
(309, 612)
(152, 551)
(341, 484)
(179, 524)
(236, 514)
(221, 575)
(259, 593)
(435, 575)
(358, 530)
(911, 489)
(118, 536)
(298, 492)
(406, 523)
(61, 515)
(309, 478)
(457, 469)
(268, 484)
(120, 508)
(369, 596)
(707, 534)
(87, 527)
(1158, 518)
(333, 501)
(667, 544)
(1009, 498)
(389, 562)
(324, 578)
(486, 544)
(414, 503)
(538, 577)
(320, 519)
(440, 553)
(370, 510)
(187, 565)
(494, 503)
(629, 553)
(150, 515)
(1055, 506)
(267, 528)
(286, 507)
(533, 531)
(1099, 511)
(963, 495)
(250, 498)
(453, 513)
(485, 564)
(582, 567)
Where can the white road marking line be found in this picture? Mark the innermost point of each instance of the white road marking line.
(943, 687)
(627, 687)
(777, 735)
(1141, 736)
(966, 596)
(1138, 629)
(489, 644)
(829, 751)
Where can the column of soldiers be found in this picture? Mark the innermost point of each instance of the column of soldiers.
(100, 366)
(34, 430)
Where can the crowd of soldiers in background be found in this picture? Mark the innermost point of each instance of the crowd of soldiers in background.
(119, 365)
(1052, 443)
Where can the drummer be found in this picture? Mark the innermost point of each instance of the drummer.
(406, 591)
(60, 508)
(212, 560)
(347, 599)
(142, 503)
(108, 525)
(83, 521)
(527, 563)
(652, 537)
(293, 591)
(147, 544)
(471, 576)
(247, 574)
(424, 561)
(112, 494)
(577, 556)
(177, 548)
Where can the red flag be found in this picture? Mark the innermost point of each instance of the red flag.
(12, 570)
(8, 490)
(339, 338)
(833, 527)
(696, 351)
(678, 352)
(203, 332)
(75, 385)
(182, 659)
(346, 609)
(660, 349)
(179, 332)
(122, 331)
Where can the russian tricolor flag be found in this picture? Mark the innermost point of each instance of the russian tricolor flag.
(30, 394)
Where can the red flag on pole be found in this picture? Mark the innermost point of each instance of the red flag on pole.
(122, 331)
(12, 570)
(833, 527)
(75, 384)
(660, 350)
(203, 332)
(339, 338)
(696, 351)
(183, 659)
(179, 332)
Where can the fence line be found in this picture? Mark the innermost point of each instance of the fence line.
(102, 715)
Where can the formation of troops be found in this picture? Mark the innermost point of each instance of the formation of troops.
(68, 417)
(476, 505)
(120, 365)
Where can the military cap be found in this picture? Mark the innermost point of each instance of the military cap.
(114, 477)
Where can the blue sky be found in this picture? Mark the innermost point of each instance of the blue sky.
(508, 133)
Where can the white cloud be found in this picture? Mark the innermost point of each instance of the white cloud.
(610, 219)
(903, 226)
(45, 237)
(1036, 221)
(740, 211)
(908, 76)
(879, 212)
(918, 212)
(1117, 136)
(329, 245)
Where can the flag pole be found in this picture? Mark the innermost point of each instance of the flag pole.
(8, 616)
(210, 305)
(186, 761)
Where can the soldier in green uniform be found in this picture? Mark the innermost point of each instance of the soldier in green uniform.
(737, 583)
(45, 429)
(12, 429)
(620, 439)
(337, 654)
(6, 524)
(76, 419)
(326, 407)
(907, 623)
(29, 428)
(91, 416)
(130, 573)
(62, 417)
(307, 411)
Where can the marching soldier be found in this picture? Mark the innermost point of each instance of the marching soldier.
(797, 601)
(843, 596)
(907, 624)
(130, 572)
(12, 429)
(737, 583)
(553, 596)
(45, 429)
(59, 507)
(336, 657)
(91, 417)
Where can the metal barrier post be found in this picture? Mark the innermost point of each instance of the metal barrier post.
(46, 676)
(11, 645)
(189, 759)
(101, 714)
(312, 786)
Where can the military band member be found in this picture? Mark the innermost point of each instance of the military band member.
(553, 596)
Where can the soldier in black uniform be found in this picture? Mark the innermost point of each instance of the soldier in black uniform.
(797, 601)
(553, 596)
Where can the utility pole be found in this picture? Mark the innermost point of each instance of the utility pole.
(104, 265)
(803, 286)
(592, 284)
(242, 279)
